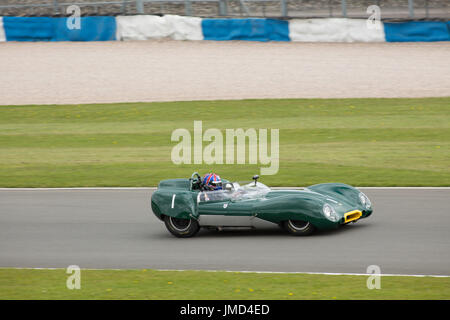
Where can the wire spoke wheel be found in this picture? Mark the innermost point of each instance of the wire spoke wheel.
(180, 224)
(298, 224)
(299, 227)
(181, 228)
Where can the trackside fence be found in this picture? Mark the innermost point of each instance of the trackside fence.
(390, 9)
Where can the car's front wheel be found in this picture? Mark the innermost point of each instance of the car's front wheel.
(299, 227)
(181, 228)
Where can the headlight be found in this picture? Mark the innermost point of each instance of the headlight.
(329, 212)
(364, 200)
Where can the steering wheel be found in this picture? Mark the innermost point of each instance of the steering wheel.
(196, 181)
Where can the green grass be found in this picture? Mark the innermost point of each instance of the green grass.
(151, 284)
(363, 142)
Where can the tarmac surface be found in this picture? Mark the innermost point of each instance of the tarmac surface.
(407, 234)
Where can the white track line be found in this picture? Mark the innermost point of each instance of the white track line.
(259, 272)
(154, 188)
(79, 188)
(404, 188)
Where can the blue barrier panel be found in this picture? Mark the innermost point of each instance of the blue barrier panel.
(417, 31)
(245, 29)
(92, 29)
(56, 29)
(28, 28)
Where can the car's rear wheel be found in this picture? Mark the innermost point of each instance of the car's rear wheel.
(181, 228)
(299, 227)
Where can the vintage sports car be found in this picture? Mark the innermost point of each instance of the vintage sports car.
(185, 206)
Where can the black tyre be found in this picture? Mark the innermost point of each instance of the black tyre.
(181, 228)
(299, 227)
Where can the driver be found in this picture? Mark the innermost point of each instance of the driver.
(212, 182)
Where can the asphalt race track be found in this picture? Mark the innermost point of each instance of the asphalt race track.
(407, 234)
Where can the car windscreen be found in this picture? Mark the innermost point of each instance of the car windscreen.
(235, 192)
(249, 190)
(218, 195)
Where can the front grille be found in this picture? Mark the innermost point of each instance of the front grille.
(352, 216)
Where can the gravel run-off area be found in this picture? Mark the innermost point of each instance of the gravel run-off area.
(164, 70)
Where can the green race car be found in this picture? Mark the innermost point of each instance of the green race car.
(185, 206)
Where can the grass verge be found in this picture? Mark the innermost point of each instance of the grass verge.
(151, 284)
(363, 142)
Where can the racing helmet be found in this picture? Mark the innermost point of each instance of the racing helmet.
(212, 181)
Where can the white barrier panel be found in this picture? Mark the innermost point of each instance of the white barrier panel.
(334, 30)
(2, 31)
(141, 27)
(185, 28)
(145, 27)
